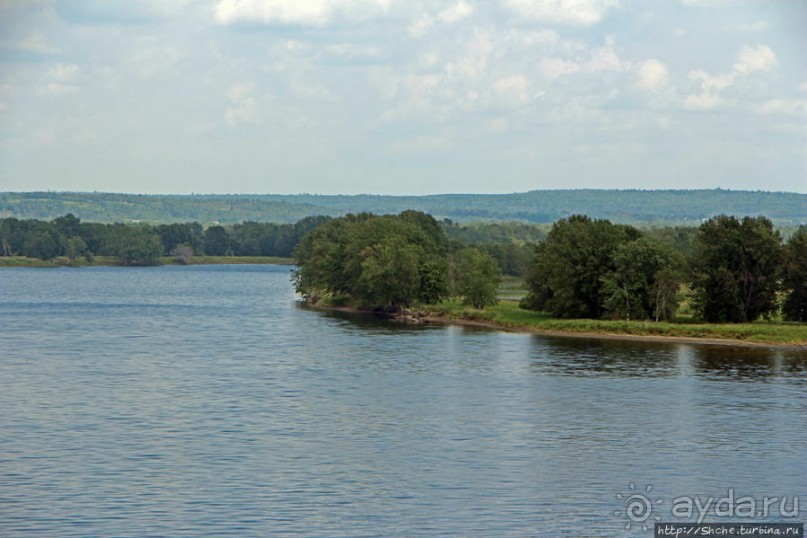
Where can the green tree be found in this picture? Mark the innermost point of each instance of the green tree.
(567, 277)
(795, 277)
(68, 225)
(390, 274)
(735, 272)
(373, 260)
(133, 245)
(476, 277)
(75, 247)
(642, 283)
(217, 241)
(42, 240)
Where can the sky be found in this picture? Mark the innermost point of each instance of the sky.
(402, 96)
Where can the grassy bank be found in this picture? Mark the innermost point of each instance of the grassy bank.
(508, 315)
(223, 260)
(20, 261)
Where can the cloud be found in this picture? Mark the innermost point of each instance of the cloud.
(59, 80)
(712, 83)
(454, 13)
(759, 58)
(296, 12)
(513, 89)
(704, 101)
(601, 59)
(572, 12)
(63, 72)
(652, 75)
(35, 43)
(788, 107)
(56, 89)
(749, 60)
(554, 68)
(243, 106)
(128, 12)
(604, 59)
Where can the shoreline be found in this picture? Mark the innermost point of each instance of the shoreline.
(110, 261)
(431, 318)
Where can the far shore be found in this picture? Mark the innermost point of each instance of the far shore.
(765, 335)
(111, 261)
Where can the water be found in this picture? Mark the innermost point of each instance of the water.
(204, 401)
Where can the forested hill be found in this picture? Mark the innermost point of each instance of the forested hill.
(626, 206)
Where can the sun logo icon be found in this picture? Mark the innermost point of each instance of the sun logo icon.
(638, 507)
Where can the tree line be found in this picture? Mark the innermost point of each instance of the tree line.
(735, 270)
(144, 244)
(545, 206)
(738, 270)
(511, 244)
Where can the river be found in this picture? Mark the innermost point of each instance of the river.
(205, 401)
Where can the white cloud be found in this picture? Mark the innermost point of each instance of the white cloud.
(475, 59)
(513, 89)
(711, 83)
(704, 101)
(450, 15)
(456, 12)
(60, 79)
(243, 106)
(599, 60)
(760, 58)
(749, 60)
(604, 59)
(554, 68)
(56, 89)
(297, 12)
(573, 12)
(35, 42)
(652, 75)
(63, 72)
(787, 107)
(421, 26)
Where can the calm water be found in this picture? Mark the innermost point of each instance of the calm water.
(203, 401)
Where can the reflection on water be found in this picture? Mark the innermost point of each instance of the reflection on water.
(202, 401)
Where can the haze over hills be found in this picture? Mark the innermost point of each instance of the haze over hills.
(541, 206)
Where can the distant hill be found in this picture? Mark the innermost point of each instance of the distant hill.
(625, 206)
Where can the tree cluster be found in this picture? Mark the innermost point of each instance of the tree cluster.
(143, 244)
(390, 261)
(737, 269)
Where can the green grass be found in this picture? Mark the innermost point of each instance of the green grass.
(218, 260)
(512, 288)
(22, 261)
(507, 314)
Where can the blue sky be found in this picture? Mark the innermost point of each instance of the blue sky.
(402, 96)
